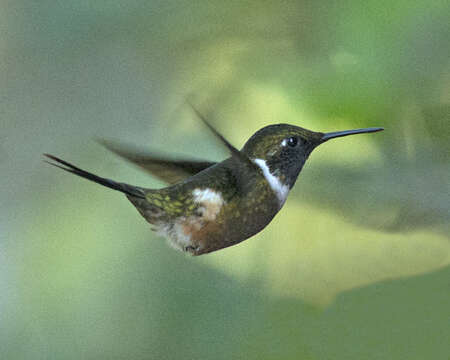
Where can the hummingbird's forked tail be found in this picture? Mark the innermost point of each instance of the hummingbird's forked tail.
(125, 188)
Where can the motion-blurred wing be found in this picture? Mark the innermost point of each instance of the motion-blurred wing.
(225, 142)
(166, 169)
(234, 152)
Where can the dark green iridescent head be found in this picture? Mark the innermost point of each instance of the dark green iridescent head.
(285, 148)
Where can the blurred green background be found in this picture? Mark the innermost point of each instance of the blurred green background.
(356, 265)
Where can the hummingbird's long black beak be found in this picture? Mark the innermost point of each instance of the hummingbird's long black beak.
(332, 135)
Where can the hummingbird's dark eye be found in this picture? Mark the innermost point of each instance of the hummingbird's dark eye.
(292, 141)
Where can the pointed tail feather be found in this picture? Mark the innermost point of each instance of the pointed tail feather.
(125, 188)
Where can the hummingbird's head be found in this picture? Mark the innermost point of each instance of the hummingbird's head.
(282, 149)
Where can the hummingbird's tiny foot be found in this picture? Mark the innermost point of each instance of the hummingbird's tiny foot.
(191, 249)
(199, 212)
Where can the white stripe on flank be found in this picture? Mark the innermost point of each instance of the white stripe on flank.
(281, 190)
(211, 201)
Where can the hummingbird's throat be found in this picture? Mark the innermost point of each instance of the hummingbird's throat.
(281, 190)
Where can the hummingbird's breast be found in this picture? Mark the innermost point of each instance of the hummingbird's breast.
(245, 216)
(217, 208)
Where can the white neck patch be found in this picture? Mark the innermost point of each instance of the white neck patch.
(281, 190)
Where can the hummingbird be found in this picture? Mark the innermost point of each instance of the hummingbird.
(208, 206)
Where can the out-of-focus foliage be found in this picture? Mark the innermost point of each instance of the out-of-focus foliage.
(356, 264)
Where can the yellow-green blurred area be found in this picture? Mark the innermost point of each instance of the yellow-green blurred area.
(355, 266)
